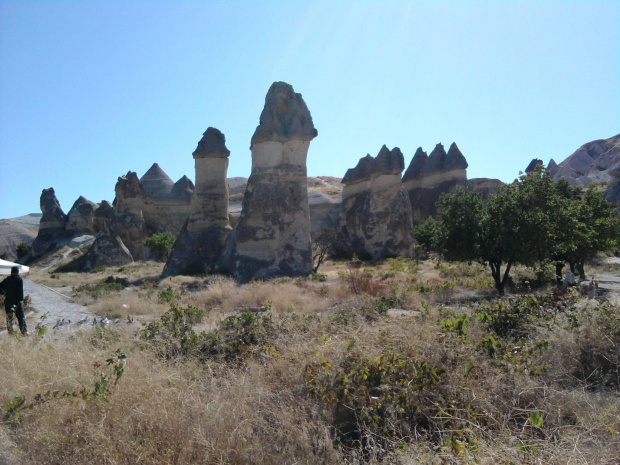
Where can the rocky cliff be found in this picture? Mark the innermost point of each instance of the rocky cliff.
(375, 216)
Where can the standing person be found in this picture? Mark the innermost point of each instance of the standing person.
(13, 290)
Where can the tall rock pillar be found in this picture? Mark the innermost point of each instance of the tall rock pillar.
(199, 245)
(128, 220)
(272, 237)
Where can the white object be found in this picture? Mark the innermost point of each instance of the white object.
(5, 267)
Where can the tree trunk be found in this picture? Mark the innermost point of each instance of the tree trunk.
(580, 270)
(572, 267)
(558, 272)
(495, 272)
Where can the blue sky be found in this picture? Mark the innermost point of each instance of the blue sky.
(91, 89)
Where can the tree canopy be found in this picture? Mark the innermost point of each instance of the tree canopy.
(529, 222)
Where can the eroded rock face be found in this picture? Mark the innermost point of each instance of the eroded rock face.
(167, 204)
(592, 162)
(81, 218)
(199, 245)
(128, 221)
(375, 217)
(107, 250)
(552, 167)
(485, 186)
(427, 177)
(105, 212)
(535, 164)
(272, 236)
(52, 226)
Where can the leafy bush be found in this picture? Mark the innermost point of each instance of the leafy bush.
(160, 244)
(23, 249)
(98, 290)
(236, 338)
(373, 400)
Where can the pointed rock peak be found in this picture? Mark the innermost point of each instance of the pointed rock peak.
(49, 203)
(416, 166)
(83, 206)
(535, 164)
(436, 160)
(155, 173)
(386, 162)
(552, 167)
(455, 159)
(285, 117)
(183, 190)
(129, 186)
(212, 145)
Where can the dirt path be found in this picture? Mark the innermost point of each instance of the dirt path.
(55, 303)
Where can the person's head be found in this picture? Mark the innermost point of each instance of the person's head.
(15, 270)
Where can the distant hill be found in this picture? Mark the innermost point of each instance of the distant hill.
(592, 162)
(16, 231)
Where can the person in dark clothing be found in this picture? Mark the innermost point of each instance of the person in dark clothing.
(13, 290)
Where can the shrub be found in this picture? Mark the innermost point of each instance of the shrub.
(23, 249)
(373, 401)
(161, 244)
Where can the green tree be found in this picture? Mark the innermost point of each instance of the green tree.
(516, 226)
(590, 226)
(160, 244)
(23, 249)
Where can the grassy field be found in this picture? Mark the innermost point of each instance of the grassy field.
(392, 362)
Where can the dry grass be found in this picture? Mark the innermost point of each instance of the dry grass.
(258, 409)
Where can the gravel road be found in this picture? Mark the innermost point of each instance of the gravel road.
(54, 302)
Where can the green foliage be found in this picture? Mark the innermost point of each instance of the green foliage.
(511, 318)
(375, 399)
(457, 325)
(528, 222)
(169, 295)
(160, 244)
(98, 290)
(236, 338)
(23, 249)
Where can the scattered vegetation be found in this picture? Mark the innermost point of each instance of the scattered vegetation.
(23, 249)
(160, 244)
(398, 362)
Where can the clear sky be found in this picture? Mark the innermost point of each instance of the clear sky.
(92, 89)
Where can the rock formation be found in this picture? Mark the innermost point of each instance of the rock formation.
(485, 186)
(128, 221)
(52, 227)
(427, 177)
(592, 162)
(81, 218)
(613, 191)
(272, 237)
(105, 212)
(534, 165)
(167, 203)
(375, 216)
(16, 231)
(107, 250)
(199, 245)
(552, 167)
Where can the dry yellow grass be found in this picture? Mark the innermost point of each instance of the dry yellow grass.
(258, 410)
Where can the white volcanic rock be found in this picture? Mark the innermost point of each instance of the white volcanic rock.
(375, 216)
(272, 236)
(199, 245)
